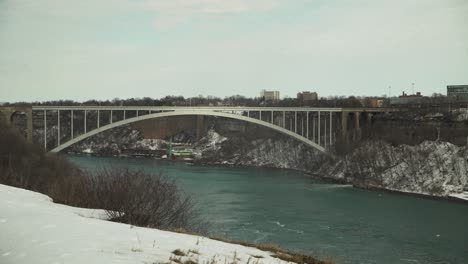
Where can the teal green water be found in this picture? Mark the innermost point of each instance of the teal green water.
(305, 215)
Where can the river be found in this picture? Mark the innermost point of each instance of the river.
(305, 215)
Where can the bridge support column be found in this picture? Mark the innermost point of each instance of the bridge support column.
(295, 122)
(313, 128)
(307, 125)
(284, 119)
(58, 127)
(45, 129)
(71, 123)
(325, 130)
(331, 129)
(98, 117)
(29, 125)
(302, 125)
(318, 140)
(85, 129)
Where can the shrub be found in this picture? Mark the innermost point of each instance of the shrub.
(142, 199)
(132, 197)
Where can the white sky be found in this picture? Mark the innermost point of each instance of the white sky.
(96, 49)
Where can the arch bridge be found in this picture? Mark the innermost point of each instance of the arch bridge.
(315, 127)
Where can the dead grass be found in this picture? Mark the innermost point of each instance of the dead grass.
(278, 252)
(183, 231)
(300, 259)
(179, 253)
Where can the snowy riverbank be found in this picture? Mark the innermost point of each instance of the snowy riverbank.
(430, 168)
(35, 230)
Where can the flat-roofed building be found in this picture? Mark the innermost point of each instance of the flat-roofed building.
(408, 99)
(270, 95)
(307, 97)
(459, 91)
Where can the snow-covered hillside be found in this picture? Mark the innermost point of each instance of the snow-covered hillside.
(35, 230)
(430, 168)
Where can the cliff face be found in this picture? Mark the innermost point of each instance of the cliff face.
(275, 152)
(432, 168)
(435, 168)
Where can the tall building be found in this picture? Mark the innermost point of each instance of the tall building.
(459, 91)
(306, 97)
(270, 95)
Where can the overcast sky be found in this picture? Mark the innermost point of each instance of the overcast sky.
(59, 49)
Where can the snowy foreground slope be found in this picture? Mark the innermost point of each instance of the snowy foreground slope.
(33, 229)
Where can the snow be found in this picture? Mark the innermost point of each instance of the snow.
(430, 168)
(462, 114)
(214, 138)
(150, 144)
(88, 151)
(211, 142)
(35, 230)
(463, 195)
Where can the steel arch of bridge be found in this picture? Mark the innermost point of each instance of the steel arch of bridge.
(188, 113)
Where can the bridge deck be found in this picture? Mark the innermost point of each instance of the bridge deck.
(213, 108)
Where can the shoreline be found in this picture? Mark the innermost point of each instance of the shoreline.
(305, 173)
(417, 195)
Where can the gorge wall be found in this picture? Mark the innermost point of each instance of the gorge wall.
(400, 155)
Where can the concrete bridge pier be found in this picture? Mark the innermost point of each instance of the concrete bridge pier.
(351, 121)
(9, 114)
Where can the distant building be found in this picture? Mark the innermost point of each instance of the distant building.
(459, 91)
(373, 102)
(406, 99)
(306, 97)
(270, 95)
